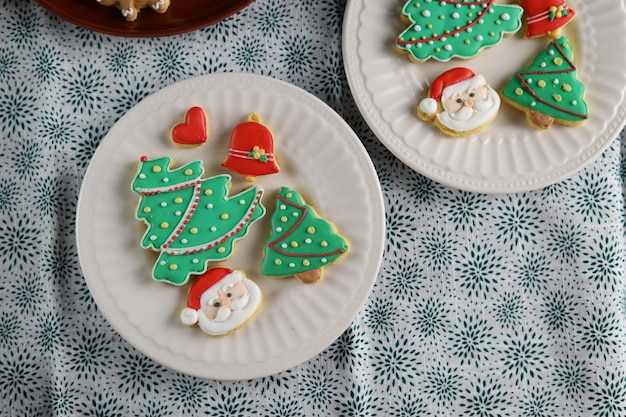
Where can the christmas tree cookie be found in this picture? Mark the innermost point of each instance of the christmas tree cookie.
(548, 90)
(191, 220)
(445, 29)
(301, 243)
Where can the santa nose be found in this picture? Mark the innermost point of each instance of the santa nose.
(468, 103)
(225, 302)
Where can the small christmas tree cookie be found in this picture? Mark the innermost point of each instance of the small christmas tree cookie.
(445, 29)
(548, 90)
(301, 243)
(191, 220)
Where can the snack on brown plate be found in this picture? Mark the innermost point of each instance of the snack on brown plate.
(130, 8)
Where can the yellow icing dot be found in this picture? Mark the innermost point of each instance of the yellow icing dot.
(566, 87)
(310, 229)
(519, 91)
(498, 22)
(165, 225)
(178, 200)
(457, 27)
(470, 14)
(541, 83)
(188, 171)
(221, 249)
(412, 39)
(278, 262)
(294, 244)
(208, 192)
(441, 17)
(306, 262)
(467, 41)
(437, 49)
(156, 169)
(173, 267)
(284, 219)
(423, 37)
(429, 26)
(288, 195)
(147, 210)
(324, 243)
(557, 98)
(492, 33)
(557, 61)
(193, 230)
(565, 45)
(224, 216)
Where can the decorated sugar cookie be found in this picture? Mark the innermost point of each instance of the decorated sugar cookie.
(130, 8)
(546, 17)
(251, 151)
(445, 29)
(548, 90)
(191, 220)
(193, 131)
(459, 102)
(301, 243)
(221, 301)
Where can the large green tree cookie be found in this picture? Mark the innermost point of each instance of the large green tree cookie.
(301, 243)
(445, 29)
(191, 221)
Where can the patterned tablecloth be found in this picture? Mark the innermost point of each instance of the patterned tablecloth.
(485, 305)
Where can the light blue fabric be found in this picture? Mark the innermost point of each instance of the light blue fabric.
(506, 305)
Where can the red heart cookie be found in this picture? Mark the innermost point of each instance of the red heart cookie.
(194, 131)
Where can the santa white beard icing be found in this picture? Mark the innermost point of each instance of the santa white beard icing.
(460, 102)
(221, 301)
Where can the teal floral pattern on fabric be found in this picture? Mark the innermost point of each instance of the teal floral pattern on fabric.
(485, 305)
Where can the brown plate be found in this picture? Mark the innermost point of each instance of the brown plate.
(181, 16)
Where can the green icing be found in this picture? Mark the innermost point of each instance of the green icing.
(455, 28)
(300, 240)
(549, 84)
(190, 220)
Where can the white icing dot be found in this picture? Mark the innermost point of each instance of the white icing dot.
(284, 246)
(479, 38)
(529, 81)
(443, 39)
(556, 81)
(505, 16)
(279, 229)
(163, 263)
(183, 241)
(472, 6)
(426, 13)
(195, 261)
(417, 28)
(292, 265)
(456, 35)
(458, 5)
(542, 65)
(469, 30)
(430, 42)
(213, 229)
(242, 202)
(283, 207)
(484, 5)
(442, 3)
(209, 206)
(324, 260)
(419, 45)
(295, 214)
(164, 204)
(448, 47)
(481, 21)
(490, 10)
(153, 238)
(574, 102)
(308, 241)
(178, 213)
(533, 103)
(455, 15)
(550, 52)
(142, 176)
(166, 179)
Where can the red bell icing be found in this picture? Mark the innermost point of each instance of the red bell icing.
(251, 151)
(546, 16)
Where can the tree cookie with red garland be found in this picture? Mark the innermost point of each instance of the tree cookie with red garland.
(191, 220)
(459, 102)
(546, 17)
(301, 243)
(446, 29)
(548, 90)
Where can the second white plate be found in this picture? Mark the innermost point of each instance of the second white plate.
(509, 156)
(319, 155)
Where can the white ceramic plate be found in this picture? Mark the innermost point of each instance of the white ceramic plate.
(509, 156)
(318, 154)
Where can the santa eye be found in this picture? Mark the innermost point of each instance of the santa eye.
(472, 94)
(458, 100)
(230, 294)
(216, 304)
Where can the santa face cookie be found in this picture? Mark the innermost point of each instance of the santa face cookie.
(445, 29)
(546, 17)
(460, 103)
(221, 301)
(191, 220)
(548, 90)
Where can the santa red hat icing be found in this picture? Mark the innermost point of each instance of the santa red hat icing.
(205, 287)
(453, 81)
